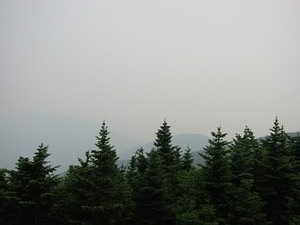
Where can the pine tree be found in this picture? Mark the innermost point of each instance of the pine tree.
(295, 146)
(98, 187)
(135, 175)
(295, 150)
(31, 191)
(216, 175)
(187, 160)
(246, 204)
(152, 197)
(76, 186)
(4, 201)
(187, 211)
(279, 186)
(169, 154)
(207, 214)
(170, 159)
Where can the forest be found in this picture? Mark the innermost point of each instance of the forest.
(246, 181)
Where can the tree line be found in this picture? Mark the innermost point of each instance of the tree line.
(248, 181)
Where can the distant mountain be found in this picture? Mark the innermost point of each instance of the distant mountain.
(68, 138)
(196, 142)
(293, 134)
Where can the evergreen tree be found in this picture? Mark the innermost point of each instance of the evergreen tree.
(76, 186)
(170, 159)
(207, 214)
(152, 197)
(98, 187)
(187, 211)
(259, 167)
(242, 156)
(135, 175)
(168, 153)
(295, 150)
(216, 175)
(31, 190)
(136, 169)
(279, 187)
(4, 202)
(187, 159)
(246, 204)
(295, 146)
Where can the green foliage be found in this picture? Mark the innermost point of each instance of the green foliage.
(29, 196)
(4, 184)
(187, 160)
(97, 190)
(208, 214)
(216, 174)
(152, 198)
(280, 177)
(171, 164)
(245, 201)
(246, 182)
(295, 151)
(135, 175)
(187, 211)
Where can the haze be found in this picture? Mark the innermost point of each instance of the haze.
(199, 64)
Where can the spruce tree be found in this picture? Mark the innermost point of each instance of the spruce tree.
(216, 175)
(31, 190)
(246, 204)
(187, 211)
(98, 187)
(135, 175)
(152, 201)
(187, 160)
(279, 186)
(4, 198)
(295, 146)
(295, 150)
(168, 153)
(170, 159)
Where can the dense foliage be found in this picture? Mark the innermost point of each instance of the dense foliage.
(247, 181)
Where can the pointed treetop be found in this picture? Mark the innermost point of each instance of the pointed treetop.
(277, 139)
(163, 136)
(218, 134)
(103, 138)
(277, 130)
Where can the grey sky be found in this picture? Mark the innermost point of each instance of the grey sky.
(200, 64)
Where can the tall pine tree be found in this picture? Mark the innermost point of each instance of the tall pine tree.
(31, 195)
(295, 150)
(279, 186)
(246, 204)
(170, 159)
(104, 196)
(152, 202)
(216, 176)
(135, 175)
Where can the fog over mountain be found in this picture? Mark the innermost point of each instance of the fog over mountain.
(69, 138)
(200, 64)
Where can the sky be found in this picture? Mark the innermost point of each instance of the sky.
(198, 64)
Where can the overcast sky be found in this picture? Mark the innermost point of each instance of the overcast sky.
(199, 64)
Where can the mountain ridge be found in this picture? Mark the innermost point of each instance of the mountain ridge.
(68, 139)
